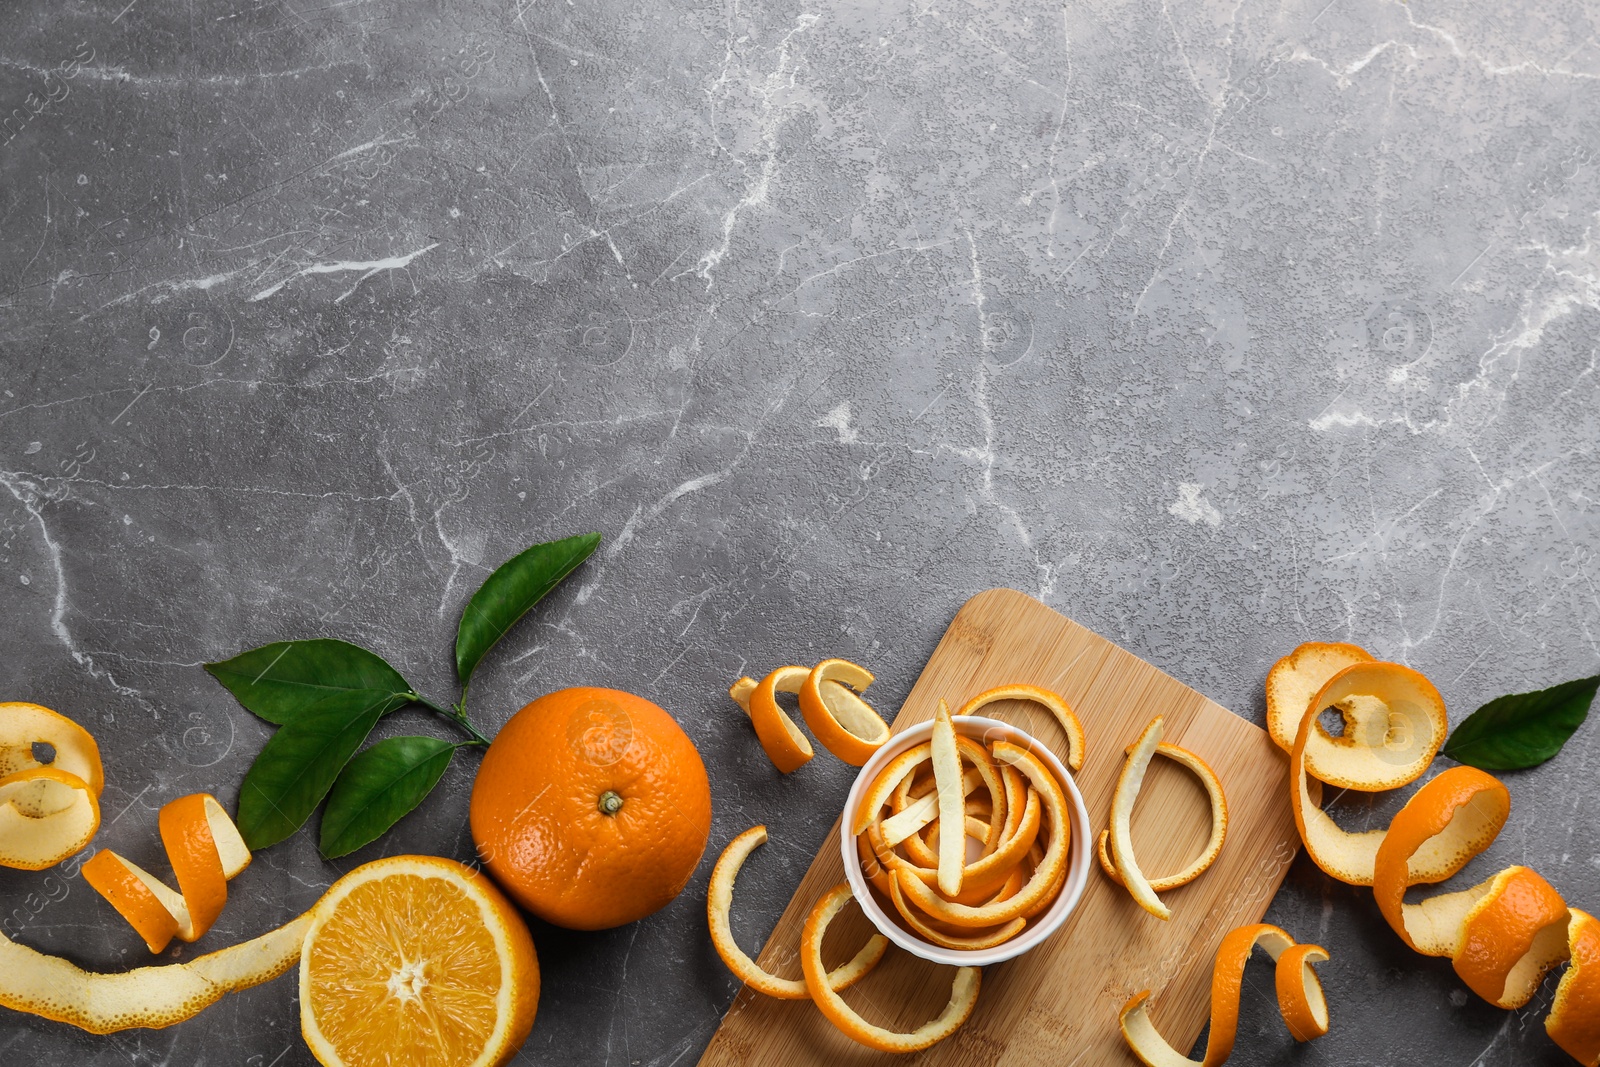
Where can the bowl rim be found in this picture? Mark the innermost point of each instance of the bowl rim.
(1036, 932)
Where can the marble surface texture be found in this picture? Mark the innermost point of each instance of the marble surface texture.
(1218, 325)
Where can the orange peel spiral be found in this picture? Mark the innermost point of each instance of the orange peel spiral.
(205, 850)
(1300, 998)
(48, 811)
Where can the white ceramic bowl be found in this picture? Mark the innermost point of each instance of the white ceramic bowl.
(1037, 930)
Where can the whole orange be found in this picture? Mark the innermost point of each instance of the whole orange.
(591, 808)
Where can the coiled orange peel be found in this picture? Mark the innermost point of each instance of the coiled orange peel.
(719, 899)
(1300, 998)
(48, 811)
(205, 850)
(963, 989)
(1503, 935)
(830, 701)
(1116, 843)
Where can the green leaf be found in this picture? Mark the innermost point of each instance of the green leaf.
(278, 682)
(519, 584)
(1522, 730)
(298, 765)
(378, 787)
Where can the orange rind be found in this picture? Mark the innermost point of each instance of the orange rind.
(149, 997)
(963, 989)
(1219, 825)
(1295, 679)
(205, 850)
(1300, 999)
(48, 810)
(719, 899)
(1053, 702)
(888, 780)
(1574, 1019)
(1394, 726)
(952, 801)
(846, 725)
(780, 738)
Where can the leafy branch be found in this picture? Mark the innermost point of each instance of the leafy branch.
(326, 696)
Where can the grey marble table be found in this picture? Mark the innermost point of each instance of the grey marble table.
(1217, 326)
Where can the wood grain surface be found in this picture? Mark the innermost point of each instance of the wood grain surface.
(1057, 1004)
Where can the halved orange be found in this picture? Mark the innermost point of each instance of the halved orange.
(419, 960)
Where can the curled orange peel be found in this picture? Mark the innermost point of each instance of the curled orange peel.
(1574, 1019)
(780, 738)
(205, 850)
(1053, 702)
(48, 811)
(1219, 825)
(846, 725)
(877, 795)
(1502, 935)
(1300, 998)
(1394, 725)
(925, 928)
(963, 989)
(151, 997)
(1295, 679)
(719, 898)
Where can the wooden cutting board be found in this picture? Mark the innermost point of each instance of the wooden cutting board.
(1057, 1004)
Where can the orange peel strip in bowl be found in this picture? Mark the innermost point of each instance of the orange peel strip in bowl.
(846, 725)
(896, 771)
(1394, 725)
(1574, 1019)
(1055, 703)
(974, 941)
(48, 811)
(1300, 999)
(1219, 825)
(780, 738)
(952, 814)
(1043, 877)
(917, 812)
(205, 849)
(150, 997)
(963, 989)
(719, 898)
(1295, 679)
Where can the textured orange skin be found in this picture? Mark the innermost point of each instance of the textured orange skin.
(537, 822)
(1494, 939)
(1574, 1019)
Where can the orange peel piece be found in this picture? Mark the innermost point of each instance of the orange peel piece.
(1394, 725)
(1574, 1019)
(153, 997)
(1300, 998)
(846, 725)
(1295, 679)
(719, 898)
(1219, 825)
(963, 989)
(924, 929)
(48, 811)
(896, 771)
(1043, 877)
(952, 801)
(920, 811)
(1512, 937)
(1055, 703)
(205, 850)
(780, 738)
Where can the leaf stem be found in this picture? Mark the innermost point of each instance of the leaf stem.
(455, 715)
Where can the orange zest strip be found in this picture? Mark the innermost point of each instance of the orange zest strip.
(1219, 825)
(719, 899)
(152, 997)
(928, 932)
(785, 745)
(1300, 999)
(947, 784)
(47, 811)
(1129, 781)
(846, 725)
(1574, 1019)
(205, 850)
(963, 989)
(1053, 702)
